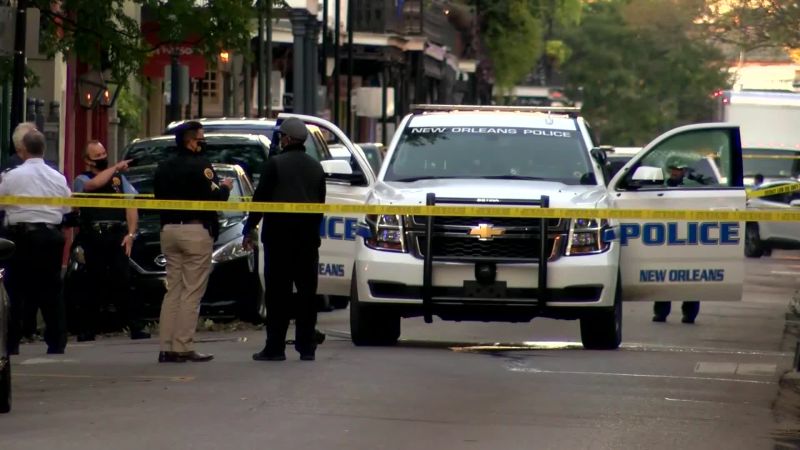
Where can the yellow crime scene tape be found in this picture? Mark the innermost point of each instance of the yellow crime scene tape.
(770, 157)
(419, 210)
(785, 189)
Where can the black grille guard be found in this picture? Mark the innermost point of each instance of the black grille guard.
(428, 258)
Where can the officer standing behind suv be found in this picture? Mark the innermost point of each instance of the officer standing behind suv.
(106, 236)
(677, 174)
(187, 239)
(291, 243)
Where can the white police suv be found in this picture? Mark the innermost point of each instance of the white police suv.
(516, 269)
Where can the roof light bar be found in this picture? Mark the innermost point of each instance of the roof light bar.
(566, 110)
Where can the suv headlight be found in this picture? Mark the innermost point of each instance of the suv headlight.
(230, 251)
(586, 237)
(385, 232)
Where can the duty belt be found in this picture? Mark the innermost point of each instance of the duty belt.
(106, 226)
(33, 226)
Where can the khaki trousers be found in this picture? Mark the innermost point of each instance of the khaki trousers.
(187, 248)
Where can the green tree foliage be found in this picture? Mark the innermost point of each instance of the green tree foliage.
(102, 34)
(642, 70)
(517, 33)
(752, 24)
(513, 39)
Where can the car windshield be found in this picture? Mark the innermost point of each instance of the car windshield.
(484, 152)
(142, 180)
(247, 155)
(771, 163)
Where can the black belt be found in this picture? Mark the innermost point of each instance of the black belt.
(34, 226)
(104, 227)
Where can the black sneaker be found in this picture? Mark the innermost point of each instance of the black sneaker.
(658, 318)
(307, 357)
(688, 320)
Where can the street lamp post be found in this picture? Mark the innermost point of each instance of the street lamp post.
(18, 83)
(175, 81)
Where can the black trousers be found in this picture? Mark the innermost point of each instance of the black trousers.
(689, 309)
(108, 277)
(285, 269)
(34, 281)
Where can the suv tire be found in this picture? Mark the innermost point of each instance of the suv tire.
(5, 388)
(371, 325)
(602, 329)
(753, 248)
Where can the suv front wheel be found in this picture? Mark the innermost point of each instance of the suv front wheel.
(602, 329)
(372, 324)
(5, 387)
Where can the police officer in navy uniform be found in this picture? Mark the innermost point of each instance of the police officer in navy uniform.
(677, 174)
(106, 236)
(291, 243)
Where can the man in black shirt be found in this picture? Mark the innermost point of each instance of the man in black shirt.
(291, 243)
(187, 238)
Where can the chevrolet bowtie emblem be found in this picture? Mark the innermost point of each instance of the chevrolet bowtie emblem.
(486, 232)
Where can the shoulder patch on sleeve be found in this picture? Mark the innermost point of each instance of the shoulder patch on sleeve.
(209, 173)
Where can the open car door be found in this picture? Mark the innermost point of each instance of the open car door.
(665, 260)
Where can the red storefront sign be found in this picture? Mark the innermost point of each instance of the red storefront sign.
(161, 56)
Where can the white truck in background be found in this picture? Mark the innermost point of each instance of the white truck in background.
(770, 133)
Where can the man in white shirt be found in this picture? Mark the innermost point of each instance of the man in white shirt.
(34, 272)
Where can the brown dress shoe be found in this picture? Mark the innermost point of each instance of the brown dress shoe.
(170, 357)
(195, 357)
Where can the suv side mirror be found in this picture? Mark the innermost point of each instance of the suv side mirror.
(795, 203)
(646, 176)
(600, 154)
(334, 167)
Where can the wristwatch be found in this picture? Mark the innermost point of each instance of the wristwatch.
(132, 235)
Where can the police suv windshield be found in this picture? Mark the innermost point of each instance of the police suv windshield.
(490, 153)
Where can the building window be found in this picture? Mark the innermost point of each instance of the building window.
(209, 85)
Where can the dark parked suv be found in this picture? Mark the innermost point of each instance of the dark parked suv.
(6, 249)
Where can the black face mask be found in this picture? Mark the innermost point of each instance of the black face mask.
(100, 164)
(201, 145)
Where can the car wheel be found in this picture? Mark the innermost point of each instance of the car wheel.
(371, 325)
(753, 248)
(5, 388)
(253, 308)
(339, 301)
(602, 330)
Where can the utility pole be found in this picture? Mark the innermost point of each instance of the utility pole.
(18, 83)
(336, 74)
(349, 111)
(323, 66)
(268, 72)
(175, 88)
(262, 67)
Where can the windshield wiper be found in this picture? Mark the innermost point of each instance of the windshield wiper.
(426, 177)
(511, 177)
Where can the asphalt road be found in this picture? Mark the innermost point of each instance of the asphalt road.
(712, 385)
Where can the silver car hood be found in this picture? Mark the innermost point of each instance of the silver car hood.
(561, 195)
